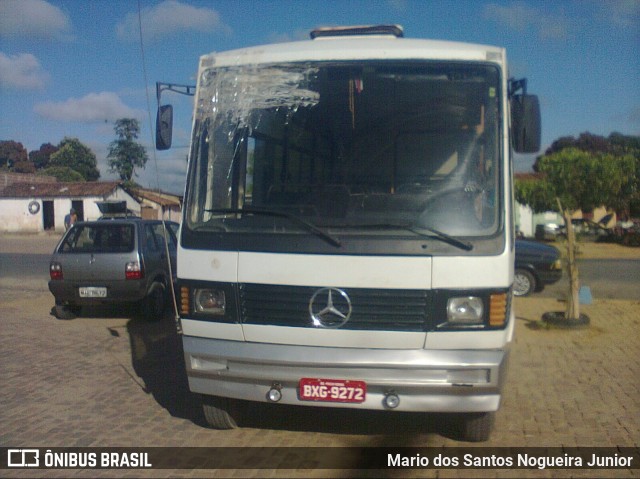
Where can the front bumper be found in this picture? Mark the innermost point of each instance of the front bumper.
(549, 276)
(424, 380)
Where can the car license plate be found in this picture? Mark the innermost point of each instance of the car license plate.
(332, 390)
(93, 292)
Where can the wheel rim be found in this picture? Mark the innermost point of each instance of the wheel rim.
(521, 285)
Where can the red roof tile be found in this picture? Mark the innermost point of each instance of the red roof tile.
(58, 189)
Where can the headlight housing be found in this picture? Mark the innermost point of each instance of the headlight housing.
(209, 301)
(465, 310)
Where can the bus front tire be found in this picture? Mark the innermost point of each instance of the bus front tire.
(219, 412)
(475, 427)
(152, 306)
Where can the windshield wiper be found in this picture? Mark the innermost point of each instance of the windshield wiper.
(419, 231)
(280, 214)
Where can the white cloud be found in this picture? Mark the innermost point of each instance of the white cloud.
(92, 108)
(170, 175)
(33, 19)
(519, 16)
(22, 71)
(168, 18)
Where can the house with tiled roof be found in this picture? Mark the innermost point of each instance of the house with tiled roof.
(36, 206)
(158, 205)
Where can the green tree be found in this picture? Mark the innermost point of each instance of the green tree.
(73, 154)
(535, 193)
(62, 173)
(624, 143)
(40, 158)
(125, 154)
(12, 152)
(629, 201)
(570, 180)
(585, 142)
(616, 144)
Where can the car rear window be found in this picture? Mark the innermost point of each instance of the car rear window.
(99, 238)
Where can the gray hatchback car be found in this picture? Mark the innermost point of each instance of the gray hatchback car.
(114, 261)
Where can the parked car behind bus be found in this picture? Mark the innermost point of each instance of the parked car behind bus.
(537, 265)
(116, 261)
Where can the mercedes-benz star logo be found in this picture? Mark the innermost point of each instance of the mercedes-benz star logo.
(329, 308)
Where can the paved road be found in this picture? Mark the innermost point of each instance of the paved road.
(25, 264)
(110, 379)
(606, 278)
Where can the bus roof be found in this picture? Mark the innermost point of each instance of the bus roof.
(354, 47)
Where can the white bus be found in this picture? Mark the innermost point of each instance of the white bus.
(348, 233)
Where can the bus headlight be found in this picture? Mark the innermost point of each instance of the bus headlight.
(210, 301)
(465, 310)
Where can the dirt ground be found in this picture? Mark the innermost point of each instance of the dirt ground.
(36, 243)
(593, 250)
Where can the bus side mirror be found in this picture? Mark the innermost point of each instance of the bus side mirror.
(164, 127)
(525, 123)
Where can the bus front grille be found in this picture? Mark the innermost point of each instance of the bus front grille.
(371, 309)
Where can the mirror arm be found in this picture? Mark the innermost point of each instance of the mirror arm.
(517, 85)
(181, 89)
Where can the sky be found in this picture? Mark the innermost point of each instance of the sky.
(71, 68)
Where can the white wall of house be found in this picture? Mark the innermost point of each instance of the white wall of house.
(91, 210)
(527, 220)
(15, 216)
(119, 194)
(524, 220)
(62, 206)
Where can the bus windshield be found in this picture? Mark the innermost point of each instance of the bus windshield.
(368, 150)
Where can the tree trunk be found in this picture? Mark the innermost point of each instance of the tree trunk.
(573, 300)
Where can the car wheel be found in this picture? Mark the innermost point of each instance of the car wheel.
(475, 427)
(153, 304)
(524, 283)
(66, 311)
(220, 413)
